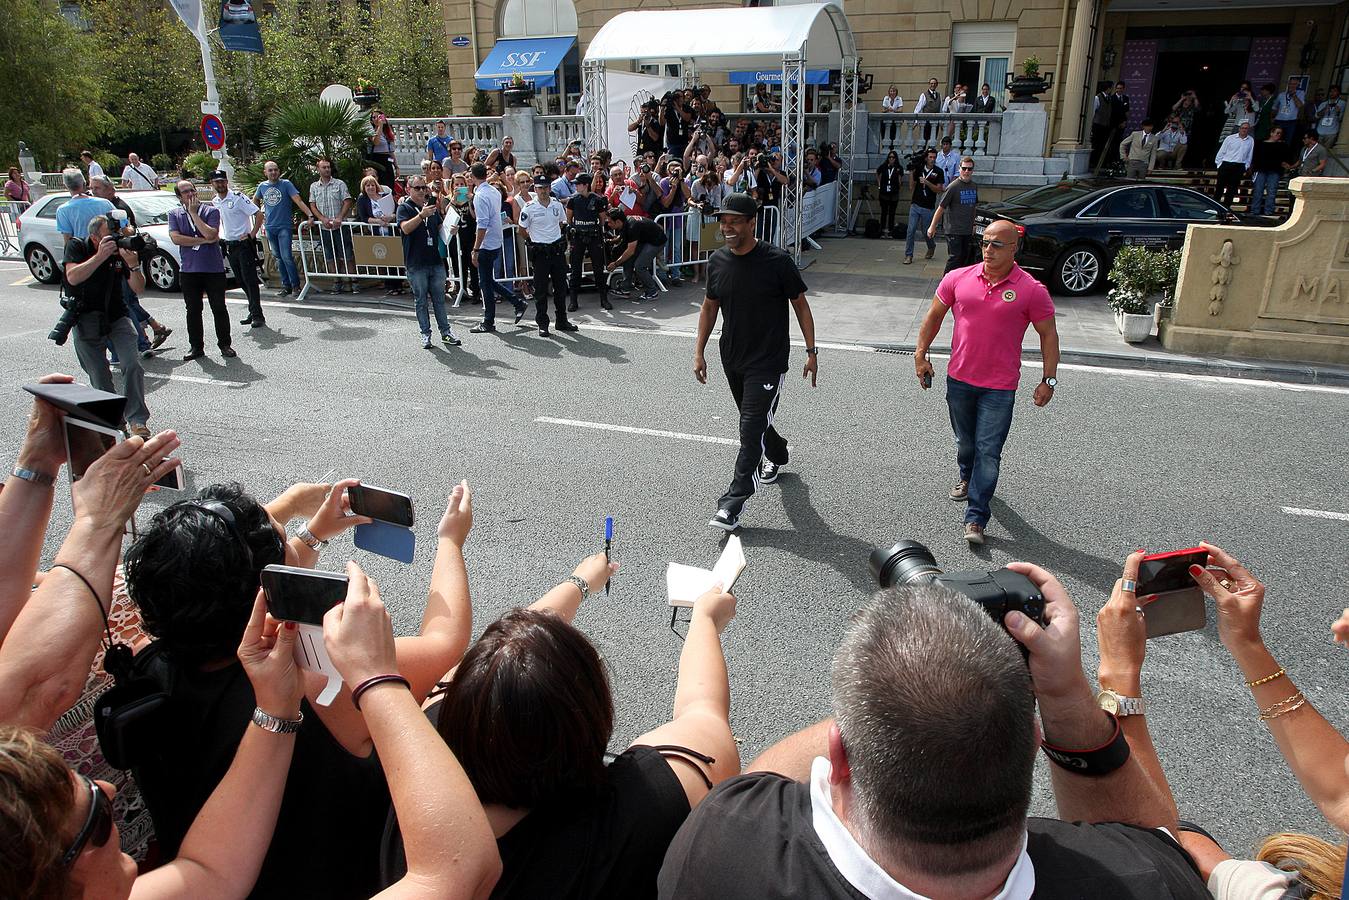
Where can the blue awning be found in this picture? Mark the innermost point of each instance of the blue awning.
(536, 59)
(813, 76)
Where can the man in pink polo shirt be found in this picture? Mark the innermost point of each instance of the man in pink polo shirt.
(993, 303)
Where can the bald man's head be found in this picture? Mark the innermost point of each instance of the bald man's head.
(1003, 230)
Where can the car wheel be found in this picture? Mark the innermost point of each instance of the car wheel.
(162, 272)
(41, 264)
(1080, 270)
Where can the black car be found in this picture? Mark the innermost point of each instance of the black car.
(1074, 227)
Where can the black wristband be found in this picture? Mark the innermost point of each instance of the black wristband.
(1096, 762)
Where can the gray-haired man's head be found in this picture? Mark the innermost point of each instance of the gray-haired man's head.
(73, 179)
(936, 714)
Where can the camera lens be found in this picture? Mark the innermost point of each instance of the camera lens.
(907, 562)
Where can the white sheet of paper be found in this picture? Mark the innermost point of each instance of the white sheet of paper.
(312, 655)
(628, 197)
(449, 224)
(685, 584)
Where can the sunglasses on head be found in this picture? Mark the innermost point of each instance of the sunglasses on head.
(97, 826)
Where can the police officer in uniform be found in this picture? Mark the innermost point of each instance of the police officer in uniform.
(543, 218)
(587, 236)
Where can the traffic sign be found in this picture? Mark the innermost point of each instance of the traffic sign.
(459, 41)
(213, 132)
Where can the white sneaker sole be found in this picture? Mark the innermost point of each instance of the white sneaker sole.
(974, 538)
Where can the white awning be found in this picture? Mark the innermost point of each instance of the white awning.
(725, 39)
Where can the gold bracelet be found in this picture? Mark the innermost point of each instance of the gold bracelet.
(1283, 707)
(1267, 679)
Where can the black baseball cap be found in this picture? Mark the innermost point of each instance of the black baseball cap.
(218, 174)
(584, 178)
(738, 204)
(542, 181)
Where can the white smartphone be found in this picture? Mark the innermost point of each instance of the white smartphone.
(86, 442)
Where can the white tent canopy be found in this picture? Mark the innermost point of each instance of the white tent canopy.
(784, 38)
(726, 39)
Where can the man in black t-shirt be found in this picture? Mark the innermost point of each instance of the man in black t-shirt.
(585, 212)
(751, 284)
(95, 271)
(921, 784)
(640, 240)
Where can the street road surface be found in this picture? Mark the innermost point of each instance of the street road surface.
(555, 434)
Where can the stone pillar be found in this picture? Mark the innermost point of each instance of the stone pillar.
(1024, 128)
(1070, 143)
(518, 122)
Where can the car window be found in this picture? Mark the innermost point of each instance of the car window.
(49, 211)
(1193, 207)
(152, 209)
(1051, 196)
(1133, 203)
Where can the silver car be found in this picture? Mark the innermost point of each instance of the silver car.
(44, 247)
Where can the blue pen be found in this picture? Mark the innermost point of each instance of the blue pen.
(608, 537)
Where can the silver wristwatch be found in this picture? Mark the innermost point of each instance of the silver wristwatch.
(273, 724)
(580, 583)
(1119, 705)
(313, 543)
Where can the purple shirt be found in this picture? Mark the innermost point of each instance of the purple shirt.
(202, 258)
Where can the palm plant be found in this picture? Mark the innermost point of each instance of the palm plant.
(297, 135)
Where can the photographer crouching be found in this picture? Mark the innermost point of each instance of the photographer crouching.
(95, 268)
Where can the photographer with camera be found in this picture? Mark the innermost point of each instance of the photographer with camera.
(993, 304)
(767, 178)
(678, 123)
(101, 186)
(195, 227)
(926, 179)
(949, 687)
(95, 270)
(650, 132)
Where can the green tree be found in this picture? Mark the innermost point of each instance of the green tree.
(53, 108)
(301, 133)
(150, 65)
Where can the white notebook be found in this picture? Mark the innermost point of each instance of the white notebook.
(685, 584)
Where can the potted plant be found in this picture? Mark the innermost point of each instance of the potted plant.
(1140, 279)
(1169, 275)
(366, 94)
(518, 92)
(1030, 82)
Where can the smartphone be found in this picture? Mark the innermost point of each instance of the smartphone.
(1174, 612)
(927, 379)
(1163, 572)
(86, 442)
(302, 595)
(381, 503)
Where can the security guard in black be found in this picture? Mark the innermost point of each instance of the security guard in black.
(585, 209)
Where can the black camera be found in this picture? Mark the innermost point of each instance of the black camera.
(999, 591)
(135, 242)
(70, 313)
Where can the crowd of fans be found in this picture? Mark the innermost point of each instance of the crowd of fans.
(452, 767)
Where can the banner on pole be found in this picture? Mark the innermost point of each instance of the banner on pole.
(190, 12)
(239, 26)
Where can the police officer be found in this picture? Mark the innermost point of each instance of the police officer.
(543, 218)
(587, 236)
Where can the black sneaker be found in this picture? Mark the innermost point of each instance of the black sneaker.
(571, 305)
(193, 353)
(768, 470)
(565, 325)
(620, 292)
(605, 304)
(726, 520)
(285, 292)
(544, 332)
(246, 320)
(259, 323)
(482, 328)
(650, 296)
(450, 340)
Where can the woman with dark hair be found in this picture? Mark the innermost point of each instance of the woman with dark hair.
(193, 574)
(889, 178)
(381, 147)
(16, 189)
(529, 713)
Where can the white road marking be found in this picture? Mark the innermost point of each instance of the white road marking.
(22, 281)
(1211, 379)
(25, 333)
(627, 429)
(195, 379)
(1316, 513)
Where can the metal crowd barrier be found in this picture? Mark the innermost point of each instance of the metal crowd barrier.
(684, 245)
(10, 210)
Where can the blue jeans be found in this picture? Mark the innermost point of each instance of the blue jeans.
(1263, 193)
(428, 283)
(919, 219)
(279, 239)
(980, 418)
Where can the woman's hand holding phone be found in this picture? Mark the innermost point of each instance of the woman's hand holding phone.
(1121, 635)
(1239, 601)
(334, 513)
(358, 633)
(44, 447)
(267, 652)
(115, 483)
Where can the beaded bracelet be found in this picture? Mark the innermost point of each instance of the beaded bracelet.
(1267, 679)
(366, 685)
(1283, 707)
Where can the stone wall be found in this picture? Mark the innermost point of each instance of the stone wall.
(1269, 293)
